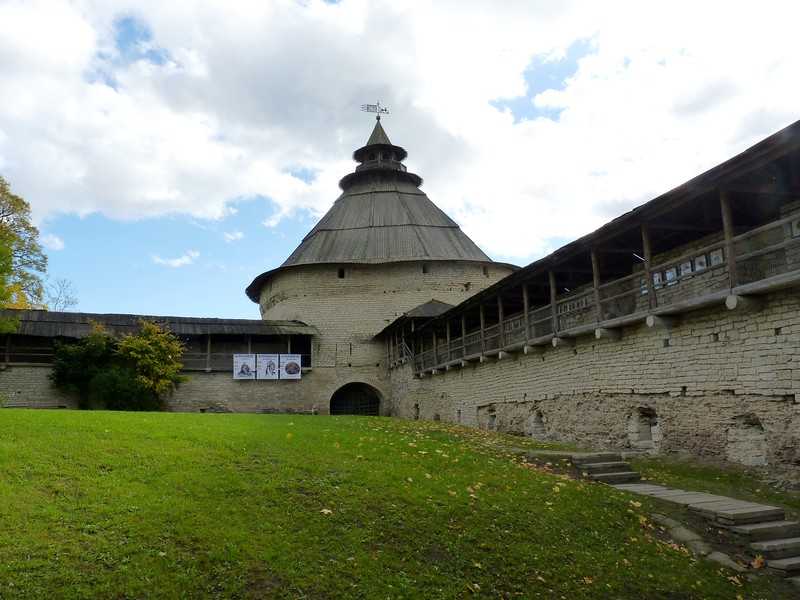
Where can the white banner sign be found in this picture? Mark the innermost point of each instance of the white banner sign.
(267, 365)
(244, 366)
(290, 366)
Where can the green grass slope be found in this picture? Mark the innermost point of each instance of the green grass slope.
(133, 505)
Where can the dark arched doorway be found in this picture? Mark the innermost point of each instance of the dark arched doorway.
(356, 399)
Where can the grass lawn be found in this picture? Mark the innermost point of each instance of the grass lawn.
(133, 505)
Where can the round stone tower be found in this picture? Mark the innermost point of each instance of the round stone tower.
(381, 250)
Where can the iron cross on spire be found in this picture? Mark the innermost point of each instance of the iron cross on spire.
(375, 108)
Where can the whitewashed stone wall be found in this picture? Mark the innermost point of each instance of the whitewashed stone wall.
(721, 383)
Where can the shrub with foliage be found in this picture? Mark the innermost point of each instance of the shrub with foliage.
(135, 372)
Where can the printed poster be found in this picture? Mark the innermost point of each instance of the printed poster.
(244, 366)
(290, 366)
(267, 366)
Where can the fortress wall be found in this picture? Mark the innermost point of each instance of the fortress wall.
(29, 386)
(349, 312)
(721, 383)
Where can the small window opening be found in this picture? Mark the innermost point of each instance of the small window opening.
(340, 273)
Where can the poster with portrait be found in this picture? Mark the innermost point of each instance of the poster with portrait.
(244, 366)
(717, 257)
(700, 262)
(290, 366)
(267, 366)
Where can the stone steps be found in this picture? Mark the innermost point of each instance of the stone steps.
(580, 459)
(770, 530)
(606, 467)
(780, 548)
(616, 477)
(785, 567)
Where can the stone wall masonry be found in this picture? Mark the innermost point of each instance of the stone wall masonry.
(30, 387)
(720, 383)
(348, 312)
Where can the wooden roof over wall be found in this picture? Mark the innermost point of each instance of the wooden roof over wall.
(78, 325)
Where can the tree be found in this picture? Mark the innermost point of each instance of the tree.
(60, 295)
(7, 324)
(28, 261)
(155, 353)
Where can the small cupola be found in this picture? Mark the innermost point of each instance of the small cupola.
(377, 156)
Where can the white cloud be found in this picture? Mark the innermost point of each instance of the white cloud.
(252, 91)
(233, 236)
(185, 259)
(52, 242)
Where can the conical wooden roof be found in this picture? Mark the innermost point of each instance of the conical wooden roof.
(382, 216)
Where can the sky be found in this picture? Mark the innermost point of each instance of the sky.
(172, 151)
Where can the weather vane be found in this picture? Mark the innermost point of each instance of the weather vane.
(375, 108)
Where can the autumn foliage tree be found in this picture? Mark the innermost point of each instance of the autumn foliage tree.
(28, 261)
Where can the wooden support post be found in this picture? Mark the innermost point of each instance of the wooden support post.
(663, 322)
(727, 228)
(483, 326)
(526, 307)
(734, 302)
(208, 352)
(449, 350)
(463, 335)
(501, 332)
(553, 311)
(601, 333)
(598, 309)
(648, 258)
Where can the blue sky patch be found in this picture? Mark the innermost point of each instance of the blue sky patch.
(542, 75)
(125, 278)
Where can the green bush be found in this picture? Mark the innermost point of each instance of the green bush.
(135, 372)
(118, 388)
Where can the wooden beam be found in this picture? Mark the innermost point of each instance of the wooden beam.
(551, 277)
(501, 333)
(449, 350)
(558, 342)
(601, 333)
(736, 302)
(526, 308)
(598, 309)
(526, 349)
(727, 228)
(483, 325)
(662, 322)
(648, 260)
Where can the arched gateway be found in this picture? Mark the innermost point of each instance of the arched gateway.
(356, 399)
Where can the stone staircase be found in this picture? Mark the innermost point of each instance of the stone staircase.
(763, 529)
(605, 467)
